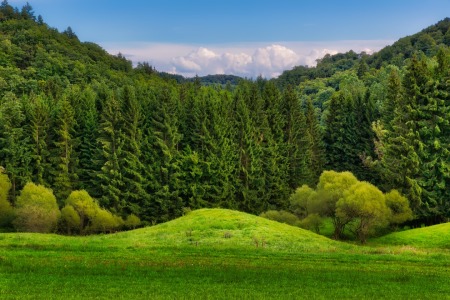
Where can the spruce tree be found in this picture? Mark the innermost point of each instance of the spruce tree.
(276, 159)
(39, 123)
(88, 148)
(394, 93)
(15, 153)
(166, 146)
(132, 167)
(295, 139)
(433, 149)
(110, 177)
(63, 160)
(401, 160)
(315, 152)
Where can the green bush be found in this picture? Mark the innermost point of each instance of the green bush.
(312, 222)
(281, 216)
(399, 206)
(93, 218)
(299, 200)
(6, 210)
(36, 210)
(132, 221)
(70, 220)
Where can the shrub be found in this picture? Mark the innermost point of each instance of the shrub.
(84, 205)
(6, 210)
(70, 219)
(281, 216)
(93, 218)
(132, 221)
(312, 222)
(399, 207)
(36, 209)
(299, 200)
(103, 221)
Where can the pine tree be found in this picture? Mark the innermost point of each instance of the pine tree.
(39, 123)
(295, 139)
(87, 146)
(110, 178)
(394, 93)
(15, 153)
(401, 160)
(315, 150)
(250, 164)
(166, 146)
(339, 126)
(275, 158)
(63, 175)
(433, 149)
(132, 168)
(224, 162)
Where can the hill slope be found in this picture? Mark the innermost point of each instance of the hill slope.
(437, 236)
(217, 228)
(427, 41)
(228, 228)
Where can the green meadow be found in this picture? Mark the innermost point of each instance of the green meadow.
(224, 254)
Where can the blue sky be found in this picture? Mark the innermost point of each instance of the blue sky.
(246, 38)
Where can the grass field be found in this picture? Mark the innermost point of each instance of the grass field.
(223, 254)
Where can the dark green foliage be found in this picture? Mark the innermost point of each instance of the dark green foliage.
(150, 144)
(315, 153)
(111, 173)
(15, 154)
(295, 139)
(63, 159)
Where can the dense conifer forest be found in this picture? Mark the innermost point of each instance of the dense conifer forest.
(152, 145)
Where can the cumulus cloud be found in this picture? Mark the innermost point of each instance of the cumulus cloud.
(269, 61)
(246, 60)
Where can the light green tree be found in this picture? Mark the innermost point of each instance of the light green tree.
(331, 187)
(132, 221)
(364, 204)
(6, 210)
(299, 200)
(36, 209)
(84, 205)
(70, 220)
(399, 206)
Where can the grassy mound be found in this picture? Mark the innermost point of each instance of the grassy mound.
(437, 236)
(226, 228)
(212, 228)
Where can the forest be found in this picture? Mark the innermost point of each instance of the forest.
(106, 138)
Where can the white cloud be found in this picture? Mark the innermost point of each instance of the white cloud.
(247, 60)
(267, 61)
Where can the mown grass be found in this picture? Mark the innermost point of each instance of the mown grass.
(216, 254)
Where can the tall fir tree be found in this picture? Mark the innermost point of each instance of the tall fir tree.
(15, 153)
(275, 162)
(132, 167)
(295, 139)
(315, 152)
(39, 113)
(63, 159)
(110, 177)
(85, 103)
(433, 149)
(400, 160)
(166, 145)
